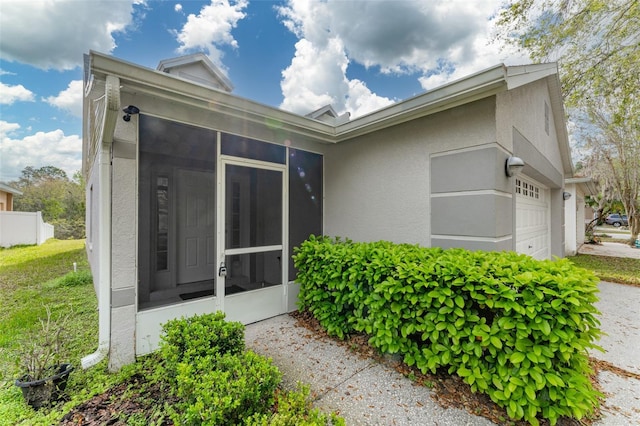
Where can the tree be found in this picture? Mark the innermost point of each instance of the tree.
(61, 200)
(597, 46)
(596, 43)
(615, 159)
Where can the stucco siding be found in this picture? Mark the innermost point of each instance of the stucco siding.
(473, 215)
(523, 109)
(378, 187)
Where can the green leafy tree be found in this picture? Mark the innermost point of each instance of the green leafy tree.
(596, 43)
(597, 46)
(60, 199)
(615, 160)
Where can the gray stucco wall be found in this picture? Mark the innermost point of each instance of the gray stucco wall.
(471, 199)
(378, 187)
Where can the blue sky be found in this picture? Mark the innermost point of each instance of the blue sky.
(297, 55)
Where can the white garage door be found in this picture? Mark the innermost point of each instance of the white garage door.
(532, 218)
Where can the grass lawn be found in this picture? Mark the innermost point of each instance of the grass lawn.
(33, 278)
(612, 269)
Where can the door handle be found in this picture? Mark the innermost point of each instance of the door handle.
(222, 271)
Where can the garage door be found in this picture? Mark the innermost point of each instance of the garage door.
(532, 218)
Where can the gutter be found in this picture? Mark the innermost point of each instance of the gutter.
(111, 113)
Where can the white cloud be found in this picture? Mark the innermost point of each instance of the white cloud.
(211, 29)
(70, 99)
(3, 72)
(38, 150)
(436, 40)
(316, 77)
(55, 34)
(177, 7)
(10, 94)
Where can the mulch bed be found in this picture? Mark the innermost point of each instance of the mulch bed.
(118, 404)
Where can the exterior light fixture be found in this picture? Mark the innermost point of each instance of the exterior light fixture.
(129, 111)
(566, 195)
(513, 166)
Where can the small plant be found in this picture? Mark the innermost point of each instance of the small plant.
(44, 377)
(40, 352)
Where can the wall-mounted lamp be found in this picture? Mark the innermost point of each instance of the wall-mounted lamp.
(566, 195)
(129, 111)
(513, 166)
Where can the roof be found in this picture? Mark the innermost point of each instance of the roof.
(6, 188)
(241, 111)
(328, 115)
(587, 184)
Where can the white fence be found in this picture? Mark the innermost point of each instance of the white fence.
(23, 228)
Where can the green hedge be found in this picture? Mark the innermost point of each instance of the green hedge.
(513, 327)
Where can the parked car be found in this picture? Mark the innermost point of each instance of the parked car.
(617, 220)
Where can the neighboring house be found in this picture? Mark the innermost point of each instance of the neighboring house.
(575, 212)
(6, 197)
(197, 197)
(20, 227)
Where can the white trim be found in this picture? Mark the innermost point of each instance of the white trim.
(472, 193)
(470, 149)
(469, 238)
(249, 250)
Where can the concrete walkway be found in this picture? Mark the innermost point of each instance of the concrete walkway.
(362, 391)
(366, 392)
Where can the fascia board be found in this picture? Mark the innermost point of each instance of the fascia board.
(520, 75)
(159, 84)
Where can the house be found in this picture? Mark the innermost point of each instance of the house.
(575, 212)
(197, 197)
(6, 197)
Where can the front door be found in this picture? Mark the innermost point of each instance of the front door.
(252, 242)
(195, 226)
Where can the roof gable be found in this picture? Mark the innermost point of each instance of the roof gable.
(197, 68)
(329, 115)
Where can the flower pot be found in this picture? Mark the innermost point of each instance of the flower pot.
(38, 393)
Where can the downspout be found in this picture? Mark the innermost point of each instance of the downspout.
(111, 113)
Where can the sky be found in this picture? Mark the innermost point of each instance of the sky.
(298, 55)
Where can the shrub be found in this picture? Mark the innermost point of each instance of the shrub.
(294, 409)
(224, 389)
(216, 382)
(186, 340)
(512, 327)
